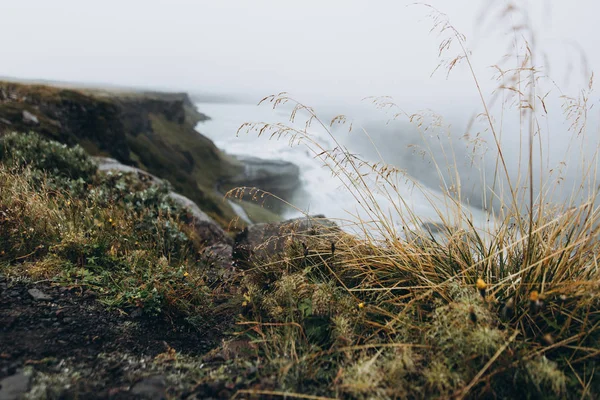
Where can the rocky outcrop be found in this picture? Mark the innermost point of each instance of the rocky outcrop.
(110, 164)
(280, 178)
(219, 249)
(260, 242)
(67, 116)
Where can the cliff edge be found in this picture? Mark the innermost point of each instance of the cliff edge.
(152, 131)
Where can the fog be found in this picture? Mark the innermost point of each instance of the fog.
(321, 50)
(330, 54)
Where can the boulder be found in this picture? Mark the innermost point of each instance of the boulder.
(38, 295)
(220, 258)
(262, 241)
(280, 178)
(110, 164)
(15, 386)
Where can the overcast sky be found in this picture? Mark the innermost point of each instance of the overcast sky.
(330, 49)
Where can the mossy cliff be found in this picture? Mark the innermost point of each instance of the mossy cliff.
(152, 131)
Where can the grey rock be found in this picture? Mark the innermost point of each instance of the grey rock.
(29, 118)
(280, 178)
(433, 227)
(38, 295)
(262, 241)
(281, 174)
(192, 207)
(15, 386)
(152, 388)
(110, 164)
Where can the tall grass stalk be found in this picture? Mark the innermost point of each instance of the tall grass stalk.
(483, 309)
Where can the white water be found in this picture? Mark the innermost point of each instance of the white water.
(324, 192)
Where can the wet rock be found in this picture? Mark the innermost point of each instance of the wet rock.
(152, 388)
(278, 177)
(30, 119)
(15, 386)
(38, 295)
(275, 176)
(219, 254)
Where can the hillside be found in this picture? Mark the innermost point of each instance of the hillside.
(151, 131)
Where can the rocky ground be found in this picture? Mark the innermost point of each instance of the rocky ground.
(63, 342)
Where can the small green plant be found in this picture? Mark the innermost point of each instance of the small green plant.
(53, 158)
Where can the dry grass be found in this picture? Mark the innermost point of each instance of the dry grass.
(500, 310)
(112, 233)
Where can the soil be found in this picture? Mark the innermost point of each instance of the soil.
(66, 344)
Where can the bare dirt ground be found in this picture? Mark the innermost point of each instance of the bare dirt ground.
(60, 342)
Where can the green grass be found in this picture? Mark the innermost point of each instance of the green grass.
(62, 220)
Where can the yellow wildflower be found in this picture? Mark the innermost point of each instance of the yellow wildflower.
(361, 305)
(186, 274)
(534, 295)
(535, 302)
(481, 285)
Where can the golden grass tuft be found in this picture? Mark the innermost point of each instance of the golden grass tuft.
(500, 310)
